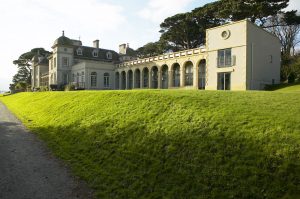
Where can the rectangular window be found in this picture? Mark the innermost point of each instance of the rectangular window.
(224, 81)
(224, 58)
(65, 61)
(54, 62)
(51, 64)
(106, 81)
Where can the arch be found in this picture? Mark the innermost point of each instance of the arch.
(137, 78)
(145, 78)
(188, 73)
(93, 79)
(117, 80)
(123, 80)
(202, 74)
(176, 75)
(164, 77)
(154, 77)
(106, 80)
(130, 79)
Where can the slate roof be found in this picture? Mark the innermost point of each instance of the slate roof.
(87, 53)
(63, 40)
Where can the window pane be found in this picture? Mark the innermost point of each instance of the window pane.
(228, 57)
(221, 57)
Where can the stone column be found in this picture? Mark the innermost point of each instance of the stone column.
(133, 79)
(195, 77)
(120, 81)
(170, 79)
(159, 79)
(150, 79)
(126, 80)
(182, 76)
(142, 80)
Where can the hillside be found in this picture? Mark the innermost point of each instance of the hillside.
(172, 144)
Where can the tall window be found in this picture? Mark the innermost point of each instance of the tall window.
(224, 58)
(77, 79)
(54, 62)
(106, 80)
(65, 61)
(51, 64)
(93, 79)
(73, 77)
(82, 76)
(79, 51)
(224, 81)
(189, 74)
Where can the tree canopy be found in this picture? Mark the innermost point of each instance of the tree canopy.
(187, 30)
(23, 75)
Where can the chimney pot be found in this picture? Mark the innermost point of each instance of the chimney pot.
(96, 43)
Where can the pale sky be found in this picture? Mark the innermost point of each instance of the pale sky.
(27, 24)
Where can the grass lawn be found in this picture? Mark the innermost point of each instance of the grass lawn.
(286, 87)
(172, 144)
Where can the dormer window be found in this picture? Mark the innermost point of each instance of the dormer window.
(79, 51)
(95, 53)
(109, 55)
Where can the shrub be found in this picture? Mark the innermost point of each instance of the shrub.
(70, 87)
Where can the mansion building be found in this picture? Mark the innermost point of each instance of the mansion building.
(236, 56)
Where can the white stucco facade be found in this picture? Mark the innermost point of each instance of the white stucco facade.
(237, 56)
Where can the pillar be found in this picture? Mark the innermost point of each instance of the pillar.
(182, 76)
(133, 79)
(159, 79)
(170, 78)
(149, 78)
(195, 77)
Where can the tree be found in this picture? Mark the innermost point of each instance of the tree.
(257, 11)
(181, 31)
(153, 49)
(24, 66)
(288, 34)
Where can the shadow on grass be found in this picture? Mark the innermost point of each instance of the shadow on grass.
(133, 161)
(280, 86)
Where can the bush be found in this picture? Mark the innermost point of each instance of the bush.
(53, 87)
(44, 88)
(69, 87)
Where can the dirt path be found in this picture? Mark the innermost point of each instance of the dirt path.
(28, 170)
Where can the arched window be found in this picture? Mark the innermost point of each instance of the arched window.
(109, 55)
(79, 51)
(106, 80)
(93, 79)
(95, 53)
(189, 74)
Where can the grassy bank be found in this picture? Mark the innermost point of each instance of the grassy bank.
(172, 144)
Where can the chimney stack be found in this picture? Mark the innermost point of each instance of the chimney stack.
(96, 43)
(122, 49)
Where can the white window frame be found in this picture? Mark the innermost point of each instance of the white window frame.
(95, 53)
(106, 80)
(65, 61)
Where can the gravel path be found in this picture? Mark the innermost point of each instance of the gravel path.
(27, 168)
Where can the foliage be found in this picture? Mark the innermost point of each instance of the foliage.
(44, 88)
(172, 144)
(287, 34)
(290, 67)
(180, 31)
(256, 11)
(24, 65)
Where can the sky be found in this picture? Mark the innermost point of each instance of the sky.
(37, 23)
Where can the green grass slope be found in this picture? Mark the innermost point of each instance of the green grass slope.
(172, 144)
(295, 87)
